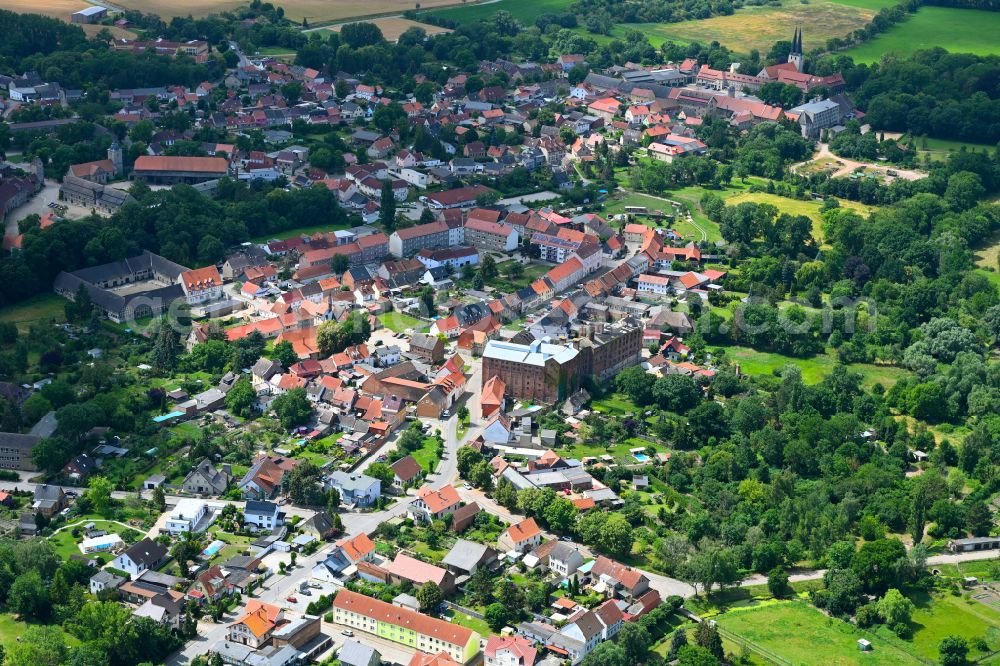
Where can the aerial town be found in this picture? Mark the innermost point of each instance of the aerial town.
(481, 336)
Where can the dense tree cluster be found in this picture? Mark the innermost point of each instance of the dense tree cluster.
(934, 93)
(180, 224)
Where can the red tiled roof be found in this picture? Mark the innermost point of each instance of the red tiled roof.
(439, 500)
(193, 164)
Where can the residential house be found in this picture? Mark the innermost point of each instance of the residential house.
(202, 285)
(466, 557)
(428, 347)
(355, 489)
(207, 479)
(48, 500)
(435, 504)
(320, 525)
(257, 625)
(263, 479)
(143, 555)
(521, 537)
(464, 516)
(353, 653)
(412, 629)
(189, 515)
(262, 516)
(105, 580)
(565, 559)
(406, 470)
(510, 651)
(417, 572)
(619, 579)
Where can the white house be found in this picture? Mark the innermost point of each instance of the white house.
(262, 516)
(521, 537)
(509, 651)
(565, 559)
(141, 556)
(202, 285)
(188, 516)
(357, 489)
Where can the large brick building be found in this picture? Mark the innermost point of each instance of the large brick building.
(548, 373)
(540, 371)
(606, 350)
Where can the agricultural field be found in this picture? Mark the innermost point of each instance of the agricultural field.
(791, 632)
(60, 9)
(525, 12)
(760, 27)
(394, 26)
(957, 30)
(316, 11)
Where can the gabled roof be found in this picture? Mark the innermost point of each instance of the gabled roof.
(406, 468)
(415, 570)
(524, 530)
(439, 500)
(379, 610)
(356, 547)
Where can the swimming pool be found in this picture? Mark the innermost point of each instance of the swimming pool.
(213, 548)
(641, 457)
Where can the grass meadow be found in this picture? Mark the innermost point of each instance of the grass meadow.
(957, 30)
(797, 633)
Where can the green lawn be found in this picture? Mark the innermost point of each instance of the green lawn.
(800, 634)
(957, 30)
(42, 306)
(399, 322)
(529, 274)
(525, 12)
(943, 615)
(66, 545)
(469, 622)
(617, 450)
(814, 369)
(939, 148)
(690, 232)
(427, 455)
(810, 208)
(614, 403)
(10, 628)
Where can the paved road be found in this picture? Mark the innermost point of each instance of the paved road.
(949, 558)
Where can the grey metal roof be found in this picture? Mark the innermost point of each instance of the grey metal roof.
(465, 555)
(354, 653)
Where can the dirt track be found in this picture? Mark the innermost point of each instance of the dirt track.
(846, 166)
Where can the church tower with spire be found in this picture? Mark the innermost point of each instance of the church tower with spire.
(795, 54)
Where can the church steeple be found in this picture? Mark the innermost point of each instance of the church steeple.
(795, 53)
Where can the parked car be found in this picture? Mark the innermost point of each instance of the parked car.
(292, 600)
(347, 632)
